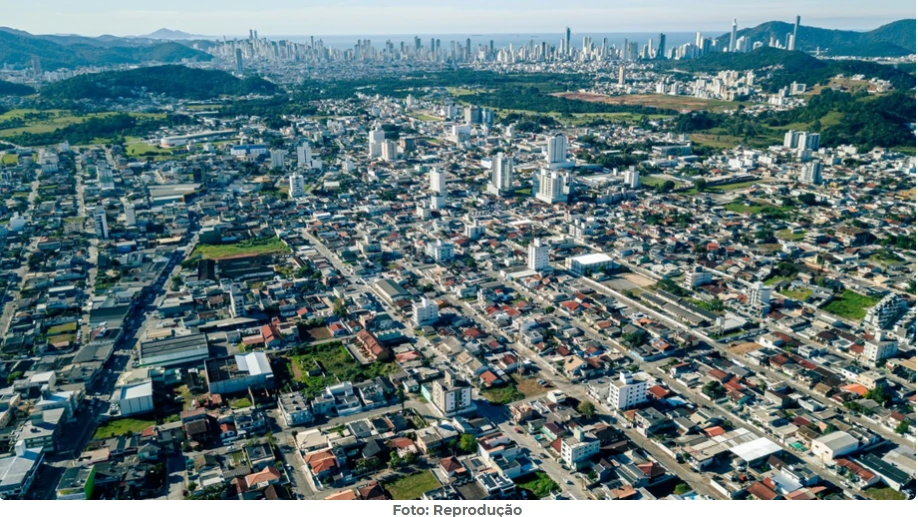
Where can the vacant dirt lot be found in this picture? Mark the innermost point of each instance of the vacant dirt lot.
(638, 280)
(742, 348)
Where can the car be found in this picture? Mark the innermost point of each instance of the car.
(231, 448)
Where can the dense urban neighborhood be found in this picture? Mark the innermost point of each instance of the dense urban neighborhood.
(279, 270)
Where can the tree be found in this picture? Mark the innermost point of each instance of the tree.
(700, 184)
(634, 339)
(468, 444)
(340, 308)
(394, 460)
(586, 408)
(681, 488)
(713, 390)
(402, 397)
(902, 428)
(370, 464)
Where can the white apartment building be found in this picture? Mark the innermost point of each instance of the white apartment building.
(538, 255)
(440, 250)
(297, 185)
(579, 448)
(437, 181)
(425, 312)
(627, 392)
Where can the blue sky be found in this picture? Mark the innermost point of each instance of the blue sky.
(364, 17)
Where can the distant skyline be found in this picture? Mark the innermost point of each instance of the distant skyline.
(373, 17)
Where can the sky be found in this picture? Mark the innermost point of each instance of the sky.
(367, 17)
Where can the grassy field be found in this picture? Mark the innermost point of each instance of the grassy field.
(775, 279)
(576, 119)
(61, 329)
(136, 147)
(259, 247)
(675, 102)
(884, 257)
(120, 427)
(337, 365)
(722, 141)
(55, 119)
(538, 484)
(423, 117)
(9, 159)
(240, 403)
(789, 235)
(503, 395)
(735, 186)
(801, 294)
(652, 181)
(850, 305)
(743, 208)
(203, 107)
(885, 494)
(412, 487)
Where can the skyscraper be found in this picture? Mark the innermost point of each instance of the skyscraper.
(239, 61)
(567, 42)
(304, 156)
(101, 222)
(661, 51)
(551, 186)
(556, 150)
(733, 38)
(621, 74)
(793, 45)
(278, 157)
(297, 185)
(811, 173)
(501, 174)
(632, 177)
(36, 66)
(538, 255)
(437, 180)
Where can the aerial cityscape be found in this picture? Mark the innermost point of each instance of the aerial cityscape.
(597, 265)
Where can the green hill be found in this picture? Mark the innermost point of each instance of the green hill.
(8, 88)
(794, 67)
(170, 80)
(17, 48)
(890, 40)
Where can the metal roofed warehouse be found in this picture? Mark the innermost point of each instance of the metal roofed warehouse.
(757, 449)
(174, 350)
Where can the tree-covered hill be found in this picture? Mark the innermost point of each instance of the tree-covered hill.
(170, 80)
(8, 88)
(890, 40)
(17, 48)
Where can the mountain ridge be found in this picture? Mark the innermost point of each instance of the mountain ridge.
(57, 51)
(893, 39)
